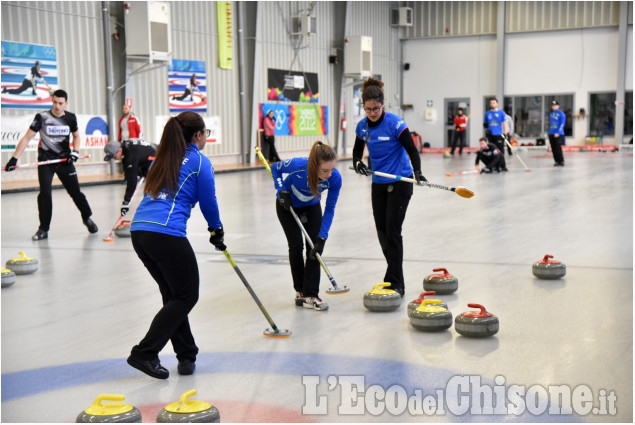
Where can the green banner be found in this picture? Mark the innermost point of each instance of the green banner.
(225, 34)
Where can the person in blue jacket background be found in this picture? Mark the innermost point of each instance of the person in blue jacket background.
(179, 178)
(495, 124)
(391, 150)
(300, 183)
(557, 119)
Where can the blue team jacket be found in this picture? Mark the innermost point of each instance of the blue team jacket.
(297, 183)
(494, 121)
(169, 215)
(557, 119)
(386, 151)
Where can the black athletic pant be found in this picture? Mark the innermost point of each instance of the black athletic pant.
(556, 148)
(460, 137)
(269, 149)
(68, 176)
(26, 84)
(390, 202)
(500, 144)
(306, 275)
(172, 264)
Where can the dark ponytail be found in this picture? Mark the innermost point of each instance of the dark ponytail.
(373, 89)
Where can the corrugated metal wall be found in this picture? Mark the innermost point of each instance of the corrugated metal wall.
(433, 19)
(276, 48)
(75, 30)
(373, 19)
(194, 37)
(557, 15)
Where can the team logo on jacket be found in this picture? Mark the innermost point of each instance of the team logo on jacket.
(399, 124)
(58, 130)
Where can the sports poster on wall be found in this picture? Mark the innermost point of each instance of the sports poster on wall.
(29, 75)
(187, 86)
(297, 120)
(292, 86)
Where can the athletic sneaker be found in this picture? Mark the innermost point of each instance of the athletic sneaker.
(315, 303)
(299, 299)
(39, 235)
(90, 225)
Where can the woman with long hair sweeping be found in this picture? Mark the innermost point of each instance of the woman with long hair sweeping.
(391, 150)
(301, 188)
(179, 177)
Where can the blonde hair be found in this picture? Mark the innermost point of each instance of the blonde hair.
(320, 152)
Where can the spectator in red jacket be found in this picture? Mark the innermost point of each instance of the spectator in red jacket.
(460, 125)
(129, 126)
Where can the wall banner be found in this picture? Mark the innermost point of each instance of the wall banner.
(29, 75)
(297, 120)
(225, 35)
(187, 88)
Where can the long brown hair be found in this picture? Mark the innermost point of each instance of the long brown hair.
(373, 89)
(178, 132)
(320, 152)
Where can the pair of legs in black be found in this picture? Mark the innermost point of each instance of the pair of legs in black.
(459, 136)
(556, 148)
(185, 94)
(67, 174)
(172, 264)
(26, 84)
(390, 202)
(500, 144)
(269, 149)
(305, 272)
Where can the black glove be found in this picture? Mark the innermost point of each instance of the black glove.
(74, 156)
(361, 168)
(125, 208)
(317, 248)
(217, 237)
(420, 177)
(285, 199)
(11, 165)
(488, 133)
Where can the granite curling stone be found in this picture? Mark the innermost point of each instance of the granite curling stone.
(123, 230)
(431, 317)
(109, 412)
(414, 304)
(189, 411)
(476, 324)
(8, 277)
(380, 298)
(443, 283)
(22, 264)
(549, 269)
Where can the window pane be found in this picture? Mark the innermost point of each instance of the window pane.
(628, 112)
(528, 116)
(602, 113)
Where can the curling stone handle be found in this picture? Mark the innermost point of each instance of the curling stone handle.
(478, 306)
(108, 397)
(547, 257)
(22, 254)
(381, 285)
(444, 270)
(186, 395)
(428, 302)
(423, 294)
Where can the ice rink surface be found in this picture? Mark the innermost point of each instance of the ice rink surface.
(68, 328)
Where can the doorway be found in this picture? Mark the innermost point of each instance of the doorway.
(452, 105)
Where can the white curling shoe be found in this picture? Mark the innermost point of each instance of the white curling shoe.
(315, 303)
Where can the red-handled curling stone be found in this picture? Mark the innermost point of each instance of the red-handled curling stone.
(443, 283)
(109, 412)
(123, 230)
(431, 317)
(380, 298)
(414, 304)
(549, 269)
(476, 324)
(189, 411)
